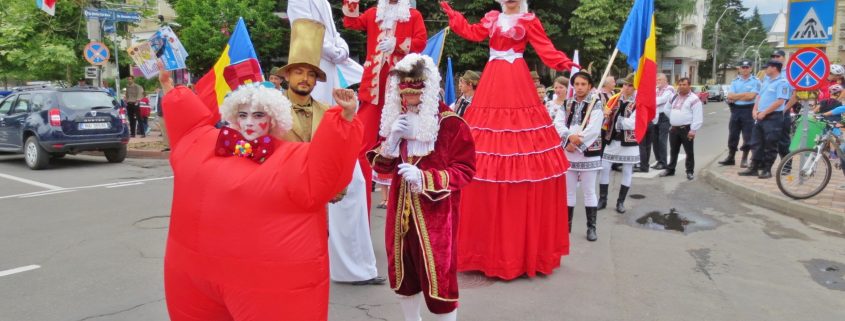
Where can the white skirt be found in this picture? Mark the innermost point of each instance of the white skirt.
(580, 163)
(618, 154)
(351, 255)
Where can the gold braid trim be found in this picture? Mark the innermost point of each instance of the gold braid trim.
(425, 243)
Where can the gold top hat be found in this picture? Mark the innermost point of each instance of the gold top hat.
(306, 46)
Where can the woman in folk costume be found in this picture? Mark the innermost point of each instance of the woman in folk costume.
(621, 142)
(512, 215)
(393, 29)
(247, 236)
(430, 152)
(583, 147)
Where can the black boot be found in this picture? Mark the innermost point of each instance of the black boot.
(571, 214)
(602, 196)
(730, 160)
(744, 162)
(620, 203)
(752, 170)
(592, 214)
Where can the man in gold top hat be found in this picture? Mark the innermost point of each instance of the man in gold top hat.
(351, 255)
(302, 73)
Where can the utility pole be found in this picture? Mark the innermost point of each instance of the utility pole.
(716, 44)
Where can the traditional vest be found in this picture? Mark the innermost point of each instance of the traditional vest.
(620, 108)
(462, 104)
(575, 114)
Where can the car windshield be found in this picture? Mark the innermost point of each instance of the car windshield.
(86, 100)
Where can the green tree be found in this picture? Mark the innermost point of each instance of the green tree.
(207, 25)
(36, 46)
(732, 28)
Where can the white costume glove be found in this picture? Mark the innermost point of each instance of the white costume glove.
(412, 175)
(387, 45)
(397, 131)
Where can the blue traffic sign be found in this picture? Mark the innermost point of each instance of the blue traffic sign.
(96, 53)
(810, 23)
(807, 69)
(112, 15)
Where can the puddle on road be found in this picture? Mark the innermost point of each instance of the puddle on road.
(674, 221)
(826, 273)
(637, 196)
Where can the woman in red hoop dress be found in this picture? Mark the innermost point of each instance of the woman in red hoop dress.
(513, 216)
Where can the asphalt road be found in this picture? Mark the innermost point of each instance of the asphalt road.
(84, 240)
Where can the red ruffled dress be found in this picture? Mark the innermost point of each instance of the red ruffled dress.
(513, 216)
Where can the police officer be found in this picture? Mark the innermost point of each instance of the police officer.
(791, 102)
(768, 112)
(744, 90)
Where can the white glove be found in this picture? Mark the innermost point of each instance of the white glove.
(387, 45)
(412, 175)
(401, 128)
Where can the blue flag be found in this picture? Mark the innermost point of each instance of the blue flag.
(434, 46)
(450, 84)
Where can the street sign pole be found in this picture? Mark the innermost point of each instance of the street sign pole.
(117, 63)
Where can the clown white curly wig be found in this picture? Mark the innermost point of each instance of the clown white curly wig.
(271, 101)
(429, 124)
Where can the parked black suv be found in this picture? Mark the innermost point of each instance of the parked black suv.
(44, 123)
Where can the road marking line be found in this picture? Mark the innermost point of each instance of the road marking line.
(30, 182)
(73, 189)
(711, 113)
(19, 270)
(125, 185)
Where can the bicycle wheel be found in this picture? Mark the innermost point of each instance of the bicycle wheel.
(806, 180)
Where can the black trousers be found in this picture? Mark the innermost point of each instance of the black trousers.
(786, 135)
(742, 122)
(133, 113)
(645, 146)
(677, 138)
(660, 139)
(767, 137)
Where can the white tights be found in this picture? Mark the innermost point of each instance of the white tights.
(411, 309)
(588, 187)
(627, 173)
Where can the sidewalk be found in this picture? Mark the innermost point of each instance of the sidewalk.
(147, 147)
(826, 209)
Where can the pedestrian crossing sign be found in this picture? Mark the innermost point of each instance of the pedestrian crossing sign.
(810, 23)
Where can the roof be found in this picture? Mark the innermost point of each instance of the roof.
(768, 20)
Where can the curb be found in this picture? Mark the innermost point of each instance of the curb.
(780, 204)
(147, 154)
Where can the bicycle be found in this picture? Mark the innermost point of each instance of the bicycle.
(812, 176)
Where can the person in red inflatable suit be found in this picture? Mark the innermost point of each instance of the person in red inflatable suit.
(394, 29)
(431, 154)
(247, 236)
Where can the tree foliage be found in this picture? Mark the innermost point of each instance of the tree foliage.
(732, 28)
(207, 25)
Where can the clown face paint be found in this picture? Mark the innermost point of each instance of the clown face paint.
(253, 122)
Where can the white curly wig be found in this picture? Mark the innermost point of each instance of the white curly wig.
(272, 101)
(401, 11)
(425, 134)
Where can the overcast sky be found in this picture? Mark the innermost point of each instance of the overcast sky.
(766, 6)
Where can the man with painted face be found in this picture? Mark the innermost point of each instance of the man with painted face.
(430, 152)
(350, 246)
(394, 29)
(247, 237)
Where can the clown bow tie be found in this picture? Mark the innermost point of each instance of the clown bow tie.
(230, 142)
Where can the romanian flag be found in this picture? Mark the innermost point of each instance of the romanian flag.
(49, 6)
(237, 65)
(638, 42)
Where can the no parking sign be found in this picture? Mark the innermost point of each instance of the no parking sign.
(808, 69)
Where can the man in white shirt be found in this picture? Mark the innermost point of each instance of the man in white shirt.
(660, 126)
(686, 118)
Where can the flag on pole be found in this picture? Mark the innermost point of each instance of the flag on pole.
(237, 65)
(435, 44)
(638, 42)
(570, 92)
(450, 84)
(49, 6)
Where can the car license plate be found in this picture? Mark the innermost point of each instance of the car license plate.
(84, 126)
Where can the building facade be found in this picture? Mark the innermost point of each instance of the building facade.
(685, 58)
